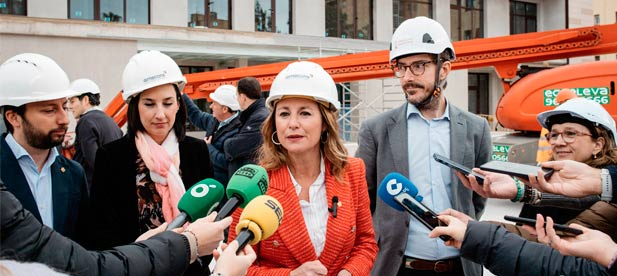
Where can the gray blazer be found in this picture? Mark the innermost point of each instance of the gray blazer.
(384, 138)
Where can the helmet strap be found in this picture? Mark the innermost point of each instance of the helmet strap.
(437, 88)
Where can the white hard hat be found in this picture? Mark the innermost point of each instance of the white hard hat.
(420, 35)
(304, 78)
(584, 109)
(149, 69)
(83, 86)
(28, 78)
(226, 95)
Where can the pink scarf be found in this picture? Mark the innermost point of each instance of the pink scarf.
(163, 161)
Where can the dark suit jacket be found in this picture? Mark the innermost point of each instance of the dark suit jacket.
(382, 144)
(241, 149)
(69, 192)
(94, 129)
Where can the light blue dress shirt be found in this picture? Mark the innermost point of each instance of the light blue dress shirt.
(424, 138)
(227, 121)
(39, 182)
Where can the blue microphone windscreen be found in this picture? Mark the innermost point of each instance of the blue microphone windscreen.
(394, 184)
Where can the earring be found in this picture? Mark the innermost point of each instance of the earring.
(278, 143)
(595, 156)
(324, 137)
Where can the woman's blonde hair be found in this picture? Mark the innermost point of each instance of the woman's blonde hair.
(272, 156)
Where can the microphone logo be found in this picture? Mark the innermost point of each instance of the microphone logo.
(393, 187)
(276, 208)
(246, 171)
(201, 190)
(263, 184)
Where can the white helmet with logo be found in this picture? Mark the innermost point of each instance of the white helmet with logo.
(226, 95)
(149, 69)
(304, 79)
(83, 86)
(28, 78)
(420, 35)
(584, 109)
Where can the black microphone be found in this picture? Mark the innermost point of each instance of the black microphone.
(334, 206)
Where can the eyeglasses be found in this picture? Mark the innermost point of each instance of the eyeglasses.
(417, 68)
(568, 136)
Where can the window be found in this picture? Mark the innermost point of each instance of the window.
(218, 11)
(195, 69)
(405, 9)
(596, 19)
(127, 11)
(478, 93)
(523, 17)
(349, 19)
(273, 16)
(13, 7)
(466, 19)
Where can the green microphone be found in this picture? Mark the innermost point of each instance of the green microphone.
(201, 199)
(248, 182)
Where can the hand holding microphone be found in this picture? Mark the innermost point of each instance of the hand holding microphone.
(399, 193)
(248, 182)
(197, 202)
(208, 233)
(258, 221)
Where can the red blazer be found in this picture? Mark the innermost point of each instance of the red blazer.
(350, 239)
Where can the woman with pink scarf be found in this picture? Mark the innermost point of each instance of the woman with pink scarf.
(139, 178)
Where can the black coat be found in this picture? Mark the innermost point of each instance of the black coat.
(94, 129)
(505, 253)
(241, 149)
(114, 193)
(24, 238)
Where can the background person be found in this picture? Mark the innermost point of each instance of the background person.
(580, 130)
(94, 128)
(222, 124)
(310, 172)
(241, 149)
(404, 140)
(139, 179)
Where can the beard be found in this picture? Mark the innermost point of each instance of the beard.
(41, 140)
(421, 103)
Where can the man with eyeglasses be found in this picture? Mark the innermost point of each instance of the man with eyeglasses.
(404, 140)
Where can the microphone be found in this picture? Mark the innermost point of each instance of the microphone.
(401, 194)
(201, 199)
(248, 182)
(334, 206)
(258, 221)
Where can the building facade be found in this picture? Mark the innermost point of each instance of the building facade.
(95, 38)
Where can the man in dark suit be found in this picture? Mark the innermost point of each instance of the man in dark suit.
(242, 148)
(94, 128)
(404, 140)
(33, 91)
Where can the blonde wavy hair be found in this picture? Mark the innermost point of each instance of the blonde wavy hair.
(273, 156)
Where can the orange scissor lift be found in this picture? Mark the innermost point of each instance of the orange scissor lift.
(518, 105)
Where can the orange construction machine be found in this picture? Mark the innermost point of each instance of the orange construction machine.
(521, 101)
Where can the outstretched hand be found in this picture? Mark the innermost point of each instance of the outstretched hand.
(571, 178)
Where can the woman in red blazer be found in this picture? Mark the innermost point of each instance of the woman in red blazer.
(327, 227)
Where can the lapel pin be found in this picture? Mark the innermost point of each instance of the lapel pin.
(275, 243)
(62, 169)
